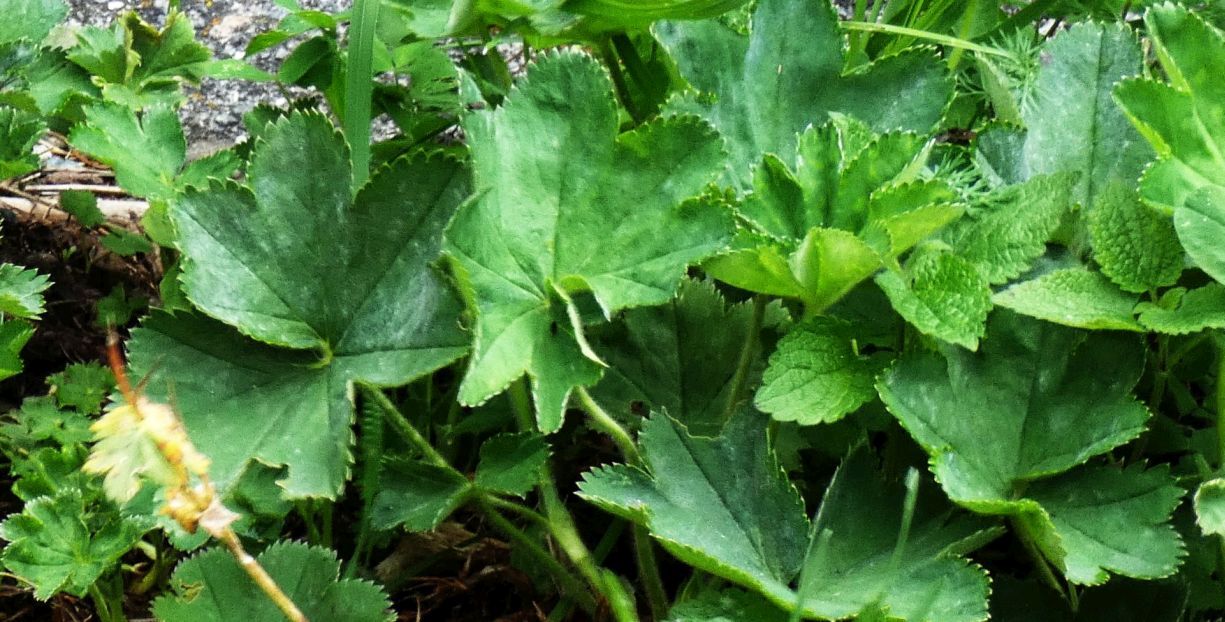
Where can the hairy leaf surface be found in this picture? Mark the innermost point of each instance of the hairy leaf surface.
(565, 206)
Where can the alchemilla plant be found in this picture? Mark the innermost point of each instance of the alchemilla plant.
(714, 311)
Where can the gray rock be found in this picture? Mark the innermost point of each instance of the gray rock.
(212, 116)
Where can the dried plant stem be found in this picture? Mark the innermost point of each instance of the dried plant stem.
(260, 576)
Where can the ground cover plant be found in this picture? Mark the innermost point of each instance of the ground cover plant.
(714, 311)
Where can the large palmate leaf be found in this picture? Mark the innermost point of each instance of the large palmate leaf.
(721, 504)
(212, 587)
(565, 206)
(1038, 400)
(1185, 122)
(295, 261)
(761, 89)
(667, 357)
(862, 566)
(724, 506)
(65, 543)
(1073, 123)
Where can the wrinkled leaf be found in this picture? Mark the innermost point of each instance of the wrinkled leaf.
(1073, 297)
(815, 375)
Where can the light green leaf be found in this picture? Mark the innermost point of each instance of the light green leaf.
(1182, 312)
(944, 296)
(1073, 297)
(719, 504)
(146, 153)
(815, 375)
(40, 422)
(1210, 507)
(105, 53)
(1010, 231)
(667, 358)
(828, 264)
(1036, 400)
(62, 544)
(21, 291)
(416, 495)
(862, 567)
(1135, 246)
(125, 243)
(30, 19)
(511, 463)
(567, 206)
(212, 587)
(1116, 520)
(761, 89)
(1073, 123)
(1185, 122)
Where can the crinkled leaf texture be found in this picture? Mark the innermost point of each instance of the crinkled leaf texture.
(1135, 245)
(943, 295)
(667, 357)
(295, 260)
(565, 206)
(724, 506)
(65, 543)
(762, 89)
(1036, 401)
(1185, 122)
(815, 375)
(212, 587)
(1075, 297)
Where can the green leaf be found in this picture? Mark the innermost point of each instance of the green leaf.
(511, 463)
(212, 587)
(1210, 507)
(1073, 123)
(1073, 297)
(667, 358)
(1182, 312)
(719, 504)
(116, 309)
(243, 265)
(146, 153)
(83, 206)
(105, 53)
(1185, 123)
(62, 544)
(815, 375)
(1135, 246)
(761, 89)
(863, 567)
(21, 291)
(171, 53)
(83, 386)
(567, 206)
(126, 243)
(31, 20)
(726, 605)
(14, 334)
(416, 495)
(1036, 400)
(945, 297)
(1110, 519)
(19, 131)
(1011, 230)
(39, 422)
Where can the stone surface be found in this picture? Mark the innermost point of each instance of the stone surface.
(212, 116)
